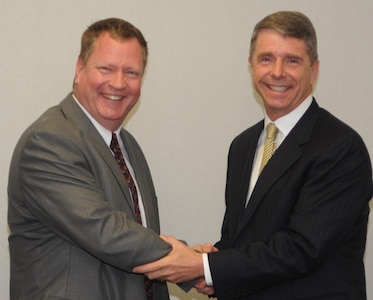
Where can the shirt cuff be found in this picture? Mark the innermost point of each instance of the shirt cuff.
(206, 268)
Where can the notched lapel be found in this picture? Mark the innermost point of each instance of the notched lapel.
(73, 112)
(143, 180)
(284, 157)
(247, 165)
(103, 150)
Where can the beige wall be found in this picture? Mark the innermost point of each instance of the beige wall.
(196, 97)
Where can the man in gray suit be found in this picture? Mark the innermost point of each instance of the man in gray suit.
(74, 233)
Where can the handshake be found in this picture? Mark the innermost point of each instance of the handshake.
(182, 265)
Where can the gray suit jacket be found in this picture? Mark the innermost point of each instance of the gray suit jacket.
(73, 229)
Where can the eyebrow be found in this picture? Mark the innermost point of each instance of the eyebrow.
(287, 55)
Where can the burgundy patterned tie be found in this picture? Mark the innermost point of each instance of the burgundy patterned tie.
(114, 146)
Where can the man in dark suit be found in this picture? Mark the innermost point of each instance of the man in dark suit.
(295, 226)
(76, 230)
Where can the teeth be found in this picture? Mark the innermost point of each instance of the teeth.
(113, 97)
(277, 88)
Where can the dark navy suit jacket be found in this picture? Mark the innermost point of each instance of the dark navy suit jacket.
(303, 232)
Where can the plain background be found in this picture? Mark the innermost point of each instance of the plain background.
(197, 94)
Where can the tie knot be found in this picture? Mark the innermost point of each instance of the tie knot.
(271, 131)
(114, 145)
(269, 145)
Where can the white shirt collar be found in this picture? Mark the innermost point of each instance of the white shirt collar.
(286, 123)
(105, 133)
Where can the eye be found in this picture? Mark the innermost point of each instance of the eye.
(265, 59)
(133, 73)
(292, 60)
(104, 69)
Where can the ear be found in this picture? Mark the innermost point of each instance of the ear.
(315, 70)
(78, 69)
(250, 64)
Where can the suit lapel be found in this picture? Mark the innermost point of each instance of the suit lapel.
(247, 152)
(107, 156)
(73, 112)
(143, 179)
(285, 156)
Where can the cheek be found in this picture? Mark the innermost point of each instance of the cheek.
(306, 80)
(94, 81)
(136, 87)
(259, 75)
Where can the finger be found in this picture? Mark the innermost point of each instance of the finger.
(147, 268)
(198, 247)
(200, 284)
(154, 276)
(168, 238)
(207, 248)
(206, 291)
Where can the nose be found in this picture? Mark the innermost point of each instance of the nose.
(118, 80)
(278, 69)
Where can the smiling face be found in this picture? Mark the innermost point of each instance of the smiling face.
(282, 72)
(108, 85)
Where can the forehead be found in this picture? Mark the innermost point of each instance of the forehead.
(107, 47)
(106, 42)
(274, 42)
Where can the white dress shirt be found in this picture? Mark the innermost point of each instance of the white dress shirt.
(284, 124)
(107, 135)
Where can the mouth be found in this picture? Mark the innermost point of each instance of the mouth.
(278, 88)
(113, 97)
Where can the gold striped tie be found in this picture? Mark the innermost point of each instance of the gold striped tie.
(270, 144)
